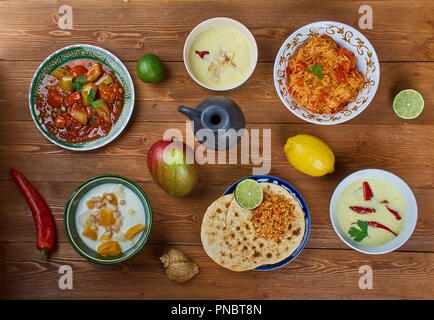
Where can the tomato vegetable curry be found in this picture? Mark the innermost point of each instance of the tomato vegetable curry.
(80, 101)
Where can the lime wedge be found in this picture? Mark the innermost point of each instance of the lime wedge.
(248, 194)
(408, 104)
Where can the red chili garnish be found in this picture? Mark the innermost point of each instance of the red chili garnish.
(395, 213)
(201, 53)
(367, 191)
(362, 210)
(375, 224)
(384, 201)
(41, 213)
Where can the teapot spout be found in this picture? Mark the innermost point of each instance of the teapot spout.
(191, 113)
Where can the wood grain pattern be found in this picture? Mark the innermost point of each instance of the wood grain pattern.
(162, 26)
(142, 277)
(326, 268)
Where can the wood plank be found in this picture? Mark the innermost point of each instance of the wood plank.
(178, 220)
(333, 273)
(129, 29)
(159, 102)
(327, 268)
(394, 148)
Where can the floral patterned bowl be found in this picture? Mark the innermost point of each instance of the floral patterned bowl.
(345, 36)
(106, 58)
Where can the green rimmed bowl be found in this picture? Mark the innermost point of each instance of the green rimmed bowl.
(69, 219)
(106, 58)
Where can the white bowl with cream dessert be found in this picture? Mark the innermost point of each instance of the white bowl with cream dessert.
(108, 219)
(220, 54)
(373, 211)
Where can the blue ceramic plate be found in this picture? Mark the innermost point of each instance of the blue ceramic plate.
(300, 199)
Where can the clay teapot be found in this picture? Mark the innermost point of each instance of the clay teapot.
(216, 122)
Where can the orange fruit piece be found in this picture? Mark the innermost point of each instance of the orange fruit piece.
(109, 248)
(131, 233)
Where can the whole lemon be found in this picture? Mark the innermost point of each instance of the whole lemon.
(310, 155)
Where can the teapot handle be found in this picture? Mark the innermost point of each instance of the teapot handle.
(193, 114)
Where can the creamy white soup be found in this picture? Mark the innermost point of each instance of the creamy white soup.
(378, 204)
(221, 57)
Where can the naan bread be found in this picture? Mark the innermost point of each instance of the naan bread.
(228, 233)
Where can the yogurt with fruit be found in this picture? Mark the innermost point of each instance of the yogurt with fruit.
(110, 219)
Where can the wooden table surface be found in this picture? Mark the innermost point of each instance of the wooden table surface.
(403, 36)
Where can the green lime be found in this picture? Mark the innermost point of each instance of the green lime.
(249, 194)
(150, 68)
(408, 104)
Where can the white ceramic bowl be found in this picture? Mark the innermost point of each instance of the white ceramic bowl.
(211, 23)
(410, 220)
(345, 36)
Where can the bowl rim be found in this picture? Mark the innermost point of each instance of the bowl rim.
(292, 190)
(409, 224)
(67, 213)
(219, 20)
(82, 147)
(342, 119)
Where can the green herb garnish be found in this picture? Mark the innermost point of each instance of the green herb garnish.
(90, 97)
(316, 70)
(77, 84)
(359, 234)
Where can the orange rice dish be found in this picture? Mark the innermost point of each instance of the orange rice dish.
(272, 218)
(323, 77)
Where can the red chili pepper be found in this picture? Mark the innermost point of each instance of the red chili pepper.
(374, 224)
(367, 191)
(41, 213)
(362, 210)
(395, 213)
(201, 53)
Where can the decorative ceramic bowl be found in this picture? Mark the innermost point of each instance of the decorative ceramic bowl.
(345, 36)
(410, 220)
(69, 219)
(84, 51)
(211, 23)
(297, 195)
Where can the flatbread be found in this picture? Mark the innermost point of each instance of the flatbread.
(234, 244)
(213, 231)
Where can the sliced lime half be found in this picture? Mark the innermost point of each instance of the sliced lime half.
(249, 194)
(408, 104)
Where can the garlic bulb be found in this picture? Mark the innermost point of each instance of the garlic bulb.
(178, 266)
